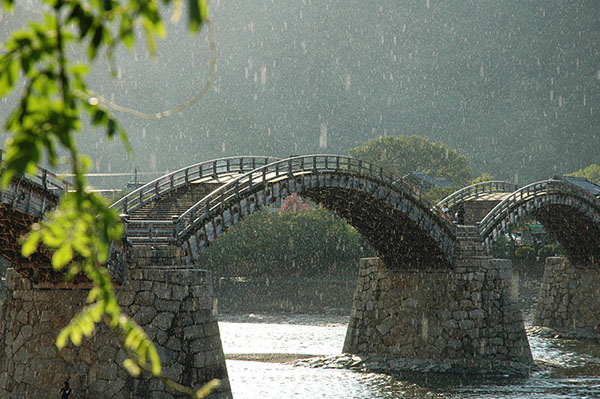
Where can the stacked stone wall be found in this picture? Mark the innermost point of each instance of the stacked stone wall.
(175, 307)
(466, 318)
(477, 209)
(569, 296)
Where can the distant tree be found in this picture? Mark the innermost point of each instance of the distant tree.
(592, 173)
(437, 194)
(525, 253)
(405, 154)
(278, 244)
(483, 178)
(294, 203)
(550, 250)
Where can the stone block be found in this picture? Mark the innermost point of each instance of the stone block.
(163, 290)
(194, 332)
(174, 344)
(466, 324)
(459, 315)
(163, 305)
(145, 298)
(163, 320)
(125, 297)
(145, 315)
(3, 380)
(22, 317)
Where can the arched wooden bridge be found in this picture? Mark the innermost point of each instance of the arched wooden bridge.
(399, 221)
(570, 213)
(476, 191)
(193, 206)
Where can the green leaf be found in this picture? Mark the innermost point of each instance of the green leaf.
(8, 4)
(9, 76)
(75, 335)
(25, 65)
(86, 324)
(198, 13)
(111, 128)
(206, 389)
(131, 367)
(154, 358)
(128, 39)
(84, 23)
(79, 69)
(149, 30)
(96, 42)
(61, 340)
(30, 245)
(62, 256)
(6, 177)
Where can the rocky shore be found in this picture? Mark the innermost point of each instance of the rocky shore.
(393, 365)
(577, 334)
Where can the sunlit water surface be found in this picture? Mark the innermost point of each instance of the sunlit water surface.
(577, 372)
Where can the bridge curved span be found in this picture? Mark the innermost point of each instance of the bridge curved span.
(399, 221)
(216, 170)
(475, 191)
(569, 213)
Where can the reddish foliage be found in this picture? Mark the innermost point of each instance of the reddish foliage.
(294, 203)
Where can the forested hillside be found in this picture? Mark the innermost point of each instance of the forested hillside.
(512, 84)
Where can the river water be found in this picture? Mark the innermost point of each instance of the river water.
(570, 369)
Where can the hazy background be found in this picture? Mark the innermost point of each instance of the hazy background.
(512, 84)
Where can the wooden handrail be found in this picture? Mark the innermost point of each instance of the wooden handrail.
(475, 190)
(169, 182)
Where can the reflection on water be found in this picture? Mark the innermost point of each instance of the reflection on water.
(281, 338)
(271, 380)
(571, 369)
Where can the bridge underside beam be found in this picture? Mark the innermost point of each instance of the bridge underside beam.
(577, 234)
(400, 242)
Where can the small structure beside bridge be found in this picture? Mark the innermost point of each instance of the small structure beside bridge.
(434, 292)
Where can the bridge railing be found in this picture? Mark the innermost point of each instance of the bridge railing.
(52, 182)
(261, 177)
(205, 170)
(47, 180)
(476, 190)
(529, 192)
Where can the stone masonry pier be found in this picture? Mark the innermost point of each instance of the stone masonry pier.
(465, 319)
(569, 296)
(173, 305)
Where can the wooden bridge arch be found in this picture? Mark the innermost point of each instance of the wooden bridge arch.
(474, 191)
(569, 213)
(412, 230)
(220, 170)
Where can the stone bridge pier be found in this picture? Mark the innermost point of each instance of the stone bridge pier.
(464, 319)
(172, 303)
(569, 296)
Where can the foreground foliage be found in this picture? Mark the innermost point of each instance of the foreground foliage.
(54, 105)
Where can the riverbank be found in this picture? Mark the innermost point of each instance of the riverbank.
(298, 295)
